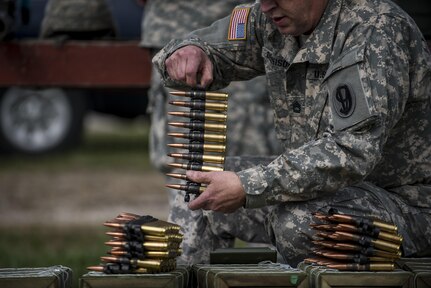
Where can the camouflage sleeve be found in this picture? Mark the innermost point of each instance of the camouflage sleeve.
(233, 59)
(378, 71)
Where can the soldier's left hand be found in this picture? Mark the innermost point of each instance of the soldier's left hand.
(224, 191)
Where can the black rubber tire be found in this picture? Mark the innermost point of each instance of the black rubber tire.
(39, 121)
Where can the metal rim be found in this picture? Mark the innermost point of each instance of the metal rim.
(35, 120)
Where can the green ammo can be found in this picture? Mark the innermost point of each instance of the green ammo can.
(421, 269)
(247, 275)
(41, 277)
(179, 278)
(323, 277)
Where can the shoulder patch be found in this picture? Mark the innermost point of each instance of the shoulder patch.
(347, 98)
(238, 24)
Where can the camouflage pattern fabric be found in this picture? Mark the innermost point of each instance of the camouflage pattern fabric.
(420, 11)
(76, 16)
(352, 106)
(165, 20)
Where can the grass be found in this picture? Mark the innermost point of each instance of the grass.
(125, 147)
(73, 247)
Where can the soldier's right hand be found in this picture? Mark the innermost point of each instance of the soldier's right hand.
(190, 65)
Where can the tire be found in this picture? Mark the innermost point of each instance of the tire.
(40, 121)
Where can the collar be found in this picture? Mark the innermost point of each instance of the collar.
(318, 47)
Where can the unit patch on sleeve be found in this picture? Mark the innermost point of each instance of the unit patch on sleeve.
(347, 98)
(238, 24)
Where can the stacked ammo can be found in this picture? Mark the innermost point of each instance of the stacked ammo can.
(206, 135)
(140, 244)
(348, 242)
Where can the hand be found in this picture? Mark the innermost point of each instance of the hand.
(224, 192)
(191, 65)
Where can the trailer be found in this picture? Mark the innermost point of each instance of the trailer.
(47, 87)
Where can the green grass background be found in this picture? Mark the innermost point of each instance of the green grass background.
(75, 247)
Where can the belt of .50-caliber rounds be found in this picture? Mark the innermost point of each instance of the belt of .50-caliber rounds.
(206, 135)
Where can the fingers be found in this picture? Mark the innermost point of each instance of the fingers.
(200, 202)
(224, 191)
(191, 66)
(199, 177)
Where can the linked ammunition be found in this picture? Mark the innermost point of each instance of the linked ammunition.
(361, 239)
(147, 254)
(177, 175)
(115, 268)
(140, 244)
(376, 232)
(218, 117)
(356, 243)
(145, 246)
(201, 105)
(363, 267)
(197, 157)
(158, 228)
(196, 167)
(198, 136)
(367, 251)
(190, 187)
(363, 221)
(164, 254)
(166, 238)
(199, 147)
(155, 264)
(356, 258)
(200, 126)
(202, 95)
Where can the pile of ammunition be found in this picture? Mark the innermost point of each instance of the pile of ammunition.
(348, 242)
(140, 244)
(206, 134)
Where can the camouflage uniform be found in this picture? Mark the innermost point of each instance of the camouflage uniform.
(420, 11)
(352, 108)
(250, 123)
(79, 19)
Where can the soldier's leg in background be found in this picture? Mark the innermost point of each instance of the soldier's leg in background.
(205, 231)
(288, 225)
(199, 239)
(157, 98)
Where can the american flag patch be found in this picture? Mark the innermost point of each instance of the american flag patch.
(238, 24)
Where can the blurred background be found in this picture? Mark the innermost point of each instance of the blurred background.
(70, 159)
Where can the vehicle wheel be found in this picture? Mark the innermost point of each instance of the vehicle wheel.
(40, 121)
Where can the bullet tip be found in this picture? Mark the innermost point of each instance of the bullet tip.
(96, 268)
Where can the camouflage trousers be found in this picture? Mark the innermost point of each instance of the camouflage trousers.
(286, 226)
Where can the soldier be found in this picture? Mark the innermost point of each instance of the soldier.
(350, 86)
(250, 119)
(77, 19)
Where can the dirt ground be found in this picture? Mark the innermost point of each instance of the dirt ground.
(79, 197)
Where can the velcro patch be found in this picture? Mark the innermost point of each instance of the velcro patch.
(347, 98)
(238, 24)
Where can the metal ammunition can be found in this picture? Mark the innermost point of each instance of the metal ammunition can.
(320, 276)
(247, 275)
(179, 278)
(421, 269)
(40, 277)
